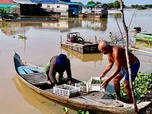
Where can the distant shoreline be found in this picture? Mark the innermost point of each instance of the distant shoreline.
(117, 11)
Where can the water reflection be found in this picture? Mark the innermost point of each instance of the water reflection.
(9, 28)
(83, 57)
(14, 28)
(65, 25)
(146, 44)
(43, 104)
(115, 15)
(95, 24)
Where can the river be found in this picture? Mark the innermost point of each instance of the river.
(43, 42)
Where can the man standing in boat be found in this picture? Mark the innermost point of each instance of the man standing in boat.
(117, 55)
(55, 69)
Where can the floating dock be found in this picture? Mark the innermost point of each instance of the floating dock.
(86, 48)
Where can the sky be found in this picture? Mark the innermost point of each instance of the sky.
(126, 2)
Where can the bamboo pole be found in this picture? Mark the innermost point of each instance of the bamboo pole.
(128, 65)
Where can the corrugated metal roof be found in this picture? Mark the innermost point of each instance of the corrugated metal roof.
(89, 5)
(95, 5)
(24, 2)
(70, 3)
(45, 1)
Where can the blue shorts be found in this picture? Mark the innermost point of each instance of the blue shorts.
(134, 70)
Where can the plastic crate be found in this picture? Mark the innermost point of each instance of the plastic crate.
(83, 86)
(66, 90)
(94, 86)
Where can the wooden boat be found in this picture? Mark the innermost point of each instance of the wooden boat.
(77, 43)
(95, 102)
(87, 48)
(143, 36)
(44, 105)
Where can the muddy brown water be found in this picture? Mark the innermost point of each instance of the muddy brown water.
(43, 42)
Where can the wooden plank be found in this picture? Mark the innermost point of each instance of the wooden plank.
(35, 78)
(38, 81)
(34, 75)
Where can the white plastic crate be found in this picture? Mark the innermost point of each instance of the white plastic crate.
(83, 86)
(66, 90)
(94, 86)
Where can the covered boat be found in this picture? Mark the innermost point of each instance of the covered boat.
(143, 36)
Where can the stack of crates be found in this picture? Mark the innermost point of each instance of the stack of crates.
(93, 84)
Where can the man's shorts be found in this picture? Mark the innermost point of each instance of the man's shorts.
(134, 70)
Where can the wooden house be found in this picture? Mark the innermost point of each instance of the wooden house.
(95, 10)
(62, 8)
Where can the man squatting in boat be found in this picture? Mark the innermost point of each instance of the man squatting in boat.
(117, 55)
(56, 68)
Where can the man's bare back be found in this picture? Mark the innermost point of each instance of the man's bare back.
(118, 56)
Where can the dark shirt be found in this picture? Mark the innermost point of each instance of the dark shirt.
(57, 68)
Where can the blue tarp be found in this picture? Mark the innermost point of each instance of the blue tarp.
(45, 1)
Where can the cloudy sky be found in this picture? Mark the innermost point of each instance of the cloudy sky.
(127, 2)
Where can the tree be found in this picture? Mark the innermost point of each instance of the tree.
(110, 5)
(126, 50)
(91, 2)
(3, 11)
(116, 4)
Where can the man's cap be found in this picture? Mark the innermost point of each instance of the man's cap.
(62, 60)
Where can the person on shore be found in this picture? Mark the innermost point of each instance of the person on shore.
(56, 67)
(117, 55)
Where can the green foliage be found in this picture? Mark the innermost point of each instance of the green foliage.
(83, 112)
(65, 109)
(141, 86)
(22, 37)
(115, 4)
(91, 2)
(98, 2)
(3, 11)
(95, 81)
(141, 6)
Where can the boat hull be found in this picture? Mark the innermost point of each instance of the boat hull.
(143, 37)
